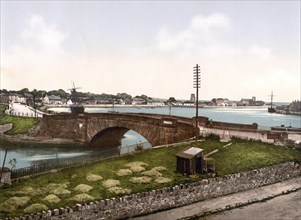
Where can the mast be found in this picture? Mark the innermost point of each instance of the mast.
(272, 99)
(271, 109)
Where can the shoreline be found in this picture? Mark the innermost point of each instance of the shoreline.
(158, 106)
(107, 106)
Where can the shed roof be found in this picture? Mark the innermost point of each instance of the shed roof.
(189, 152)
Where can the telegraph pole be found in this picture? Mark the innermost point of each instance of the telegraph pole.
(197, 85)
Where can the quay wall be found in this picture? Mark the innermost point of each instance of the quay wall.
(246, 135)
(174, 196)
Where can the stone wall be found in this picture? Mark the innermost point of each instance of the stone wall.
(171, 197)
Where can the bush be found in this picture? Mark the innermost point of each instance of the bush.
(3, 107)
(213, 137)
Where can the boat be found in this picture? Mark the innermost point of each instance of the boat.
(271, 109)
(77, 108)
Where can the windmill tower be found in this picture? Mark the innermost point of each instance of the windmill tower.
(76, 107)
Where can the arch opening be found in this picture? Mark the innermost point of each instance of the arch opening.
(119, 140)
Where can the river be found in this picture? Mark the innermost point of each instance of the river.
(27, 155)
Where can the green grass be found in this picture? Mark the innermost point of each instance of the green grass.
(3, 107)
(21, 125)
(238, 157)
(243, 156)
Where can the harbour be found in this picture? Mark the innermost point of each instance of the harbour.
(28, 155)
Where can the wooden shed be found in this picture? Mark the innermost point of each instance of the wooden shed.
(190, 160)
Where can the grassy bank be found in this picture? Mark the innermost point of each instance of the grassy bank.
(3, 107)
(21, 125)
(127, 174)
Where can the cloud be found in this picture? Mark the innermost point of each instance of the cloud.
(200, 32)
(163, 69)
(230, 68)
(37, 60)
(42, 34)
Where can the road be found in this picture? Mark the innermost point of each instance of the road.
(281, 207)
(284, 207)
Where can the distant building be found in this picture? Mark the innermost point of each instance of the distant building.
(52, 100)
(189, 103)
(17, 98)
(250, 102)
(295, 106)
(192, 98)
(138, 101)
(4, 98)
(220, 102)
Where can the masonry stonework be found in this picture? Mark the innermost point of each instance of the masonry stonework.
(157, 129)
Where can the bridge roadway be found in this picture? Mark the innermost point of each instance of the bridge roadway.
(98, 129)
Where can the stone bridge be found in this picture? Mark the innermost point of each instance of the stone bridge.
(98, 129)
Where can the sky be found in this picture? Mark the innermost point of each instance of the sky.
(244, 48)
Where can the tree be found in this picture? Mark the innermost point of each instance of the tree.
(25, 90)
(171, 100)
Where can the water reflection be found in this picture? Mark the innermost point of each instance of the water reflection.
(28, 155)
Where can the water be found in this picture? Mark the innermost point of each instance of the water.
(234, 115)
(27, 156)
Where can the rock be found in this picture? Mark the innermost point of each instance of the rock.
(124, 172)
(111, 183)
(160, 168)
(162, 180)
(119, 190)
(83, 188)
(82, 198)
(142, 179)
(60, 191)
(136, 166)
(52, 199)
(34, 208)
(152, 172)
(18, 201)
(93, 178)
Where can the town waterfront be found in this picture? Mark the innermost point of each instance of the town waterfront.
(27, 156)
(241, 115)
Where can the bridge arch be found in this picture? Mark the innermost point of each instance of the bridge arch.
(87, 127)
(111, 137)
(116, 125)
(108, 137)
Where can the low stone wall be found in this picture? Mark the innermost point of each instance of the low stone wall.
(205, 122)
(171, 197)
(233, 126)
(246, 135)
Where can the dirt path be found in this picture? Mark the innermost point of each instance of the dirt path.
(263, 210)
